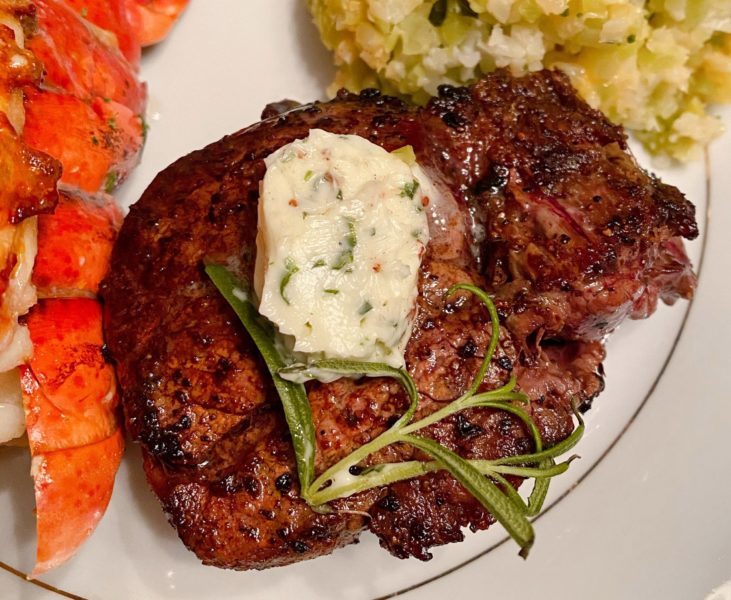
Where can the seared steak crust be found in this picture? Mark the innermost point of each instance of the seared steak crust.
(576, 232)
(544, 208)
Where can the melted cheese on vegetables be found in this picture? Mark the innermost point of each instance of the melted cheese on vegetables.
(342, 231)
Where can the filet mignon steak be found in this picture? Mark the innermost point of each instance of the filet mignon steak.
(546, 209)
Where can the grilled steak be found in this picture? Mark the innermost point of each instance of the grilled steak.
(546, 209)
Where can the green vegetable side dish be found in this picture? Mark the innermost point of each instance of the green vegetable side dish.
(484, 479)
(654, 66)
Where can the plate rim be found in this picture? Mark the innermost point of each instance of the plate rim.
(708, 177)
(627, 425)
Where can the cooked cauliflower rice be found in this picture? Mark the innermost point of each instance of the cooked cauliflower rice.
(654, 66)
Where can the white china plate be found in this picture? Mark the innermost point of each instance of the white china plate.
(644, 514)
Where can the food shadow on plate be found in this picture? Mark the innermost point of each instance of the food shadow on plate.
(17, 486)
(145, 532)
(314, 55)
(141, 496)
(177, 573)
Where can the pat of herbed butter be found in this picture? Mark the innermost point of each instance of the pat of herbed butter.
(341, 234)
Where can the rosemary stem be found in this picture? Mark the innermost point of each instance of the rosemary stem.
(385, 474)
(484, 479)
(494, 336)
(462, 403)
(385, 439)
(526, 472)
(437, 416)
(552, 452)
(382, 475)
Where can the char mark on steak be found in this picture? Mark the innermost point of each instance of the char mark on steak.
(545, 208)
(578, 237)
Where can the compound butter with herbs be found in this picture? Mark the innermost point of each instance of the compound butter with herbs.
(341, 234)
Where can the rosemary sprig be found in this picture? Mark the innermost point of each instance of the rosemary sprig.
(484, 479)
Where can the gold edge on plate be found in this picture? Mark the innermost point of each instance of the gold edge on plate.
(706, 223)
(704, 242)
(41, 584)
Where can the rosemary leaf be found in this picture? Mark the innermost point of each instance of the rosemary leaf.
(512, 494)
(294, 398)
(501, 507)
(540, 489)
(552, 452)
